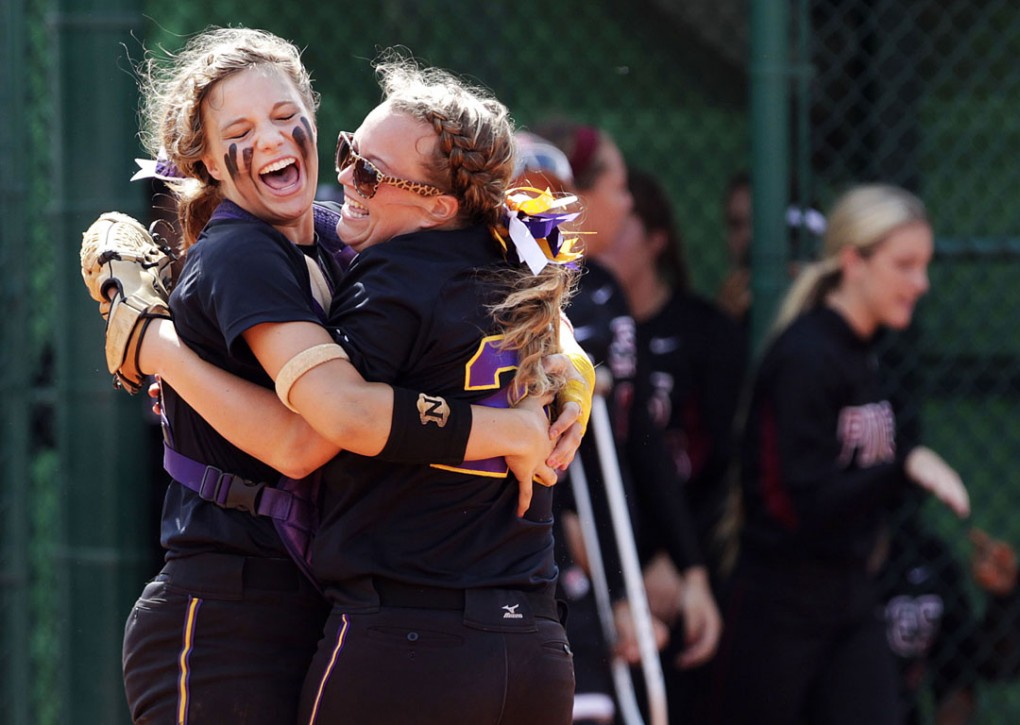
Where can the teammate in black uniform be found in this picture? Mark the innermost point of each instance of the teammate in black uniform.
(226, 631)
(940, 644)
(691, 366)
(606, 329)
(820, 462)
(443, 606)
(229, 591)
(692, 354)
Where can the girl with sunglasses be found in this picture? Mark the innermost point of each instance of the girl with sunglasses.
(440, 592)
(227, 629)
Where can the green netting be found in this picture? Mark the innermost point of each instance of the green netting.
(921, 93)
(672, 101)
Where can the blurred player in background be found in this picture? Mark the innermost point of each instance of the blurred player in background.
(942, 646)
(606, 329)
(820, 467)
(691, 363)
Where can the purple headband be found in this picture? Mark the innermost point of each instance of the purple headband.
(586, 143)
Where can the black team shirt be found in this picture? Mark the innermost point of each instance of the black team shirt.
(820, 456)
(414, 311)
(691, 366)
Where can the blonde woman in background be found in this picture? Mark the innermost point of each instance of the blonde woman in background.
(821, 464)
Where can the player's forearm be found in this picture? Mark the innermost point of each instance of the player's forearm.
(246, 414)
(373, 419)
(344, 408)
(570, 347)
(498, 432)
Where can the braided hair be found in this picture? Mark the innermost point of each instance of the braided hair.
(474, 161)
(474, 152)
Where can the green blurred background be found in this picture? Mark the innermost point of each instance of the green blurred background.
(922, 93)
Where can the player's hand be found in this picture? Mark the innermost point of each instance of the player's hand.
(702, 621)
(927, 469)
(534, 446)
(153, 392)
(627, 647)
(566, 433)
(992, 563)
(568, 428)
(664, 586)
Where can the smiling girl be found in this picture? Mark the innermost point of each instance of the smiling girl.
(821, 465)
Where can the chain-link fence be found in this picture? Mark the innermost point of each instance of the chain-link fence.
(921, 94)
(915, 92)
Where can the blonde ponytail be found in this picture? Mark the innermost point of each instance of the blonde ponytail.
(861, 218)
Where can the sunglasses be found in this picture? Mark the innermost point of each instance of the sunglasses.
(367, 176)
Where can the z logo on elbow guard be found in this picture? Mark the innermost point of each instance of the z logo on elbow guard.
(433, 410)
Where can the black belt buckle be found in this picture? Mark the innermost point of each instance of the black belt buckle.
(244, 495)
(230, 491)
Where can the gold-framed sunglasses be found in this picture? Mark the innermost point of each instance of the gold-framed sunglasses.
(367, 176)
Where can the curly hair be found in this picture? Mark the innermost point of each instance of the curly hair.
(529, 316)
(174, 87)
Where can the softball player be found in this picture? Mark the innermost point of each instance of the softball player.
(195, 642)
(606, 329)
(691, 372)
(804, 637)
(937, 638)
(440, 592)
(226, 631)
(692, 354)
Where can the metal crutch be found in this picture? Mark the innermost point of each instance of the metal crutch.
(655, 687)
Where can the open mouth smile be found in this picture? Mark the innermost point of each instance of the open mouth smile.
(280, 175)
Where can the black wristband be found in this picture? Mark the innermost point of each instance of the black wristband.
(427, 429)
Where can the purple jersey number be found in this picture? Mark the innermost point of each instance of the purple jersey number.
(482, 372)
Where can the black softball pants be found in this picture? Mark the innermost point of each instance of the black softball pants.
(803, 645)
(217, 639)
(486, 661)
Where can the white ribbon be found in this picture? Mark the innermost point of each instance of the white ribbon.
(811, 219)
(146, 169)
(527, 248)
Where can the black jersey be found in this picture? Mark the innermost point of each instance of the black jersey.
(819, 460)
(414, 311)
(692, 363)
(605, 329)
(930, 625)
(241, 272)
